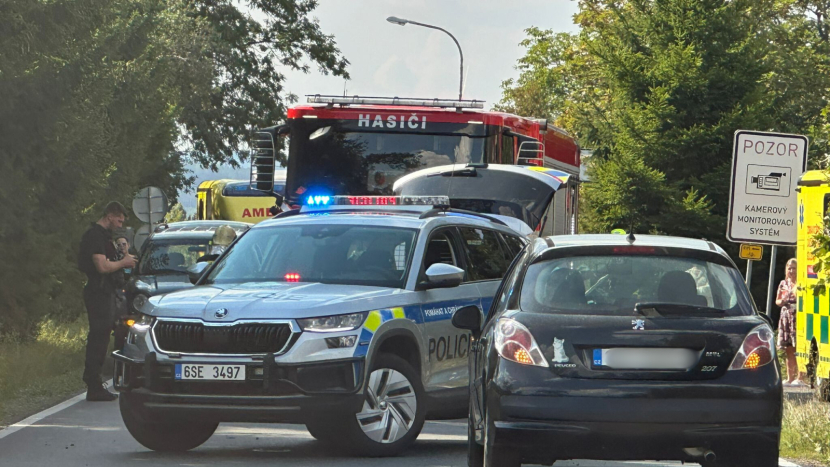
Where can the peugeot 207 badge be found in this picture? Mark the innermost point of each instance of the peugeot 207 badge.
(220, 313)
(638, 324)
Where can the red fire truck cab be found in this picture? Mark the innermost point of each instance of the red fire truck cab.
(362, 145)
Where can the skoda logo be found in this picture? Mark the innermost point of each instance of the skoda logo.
(220, 313)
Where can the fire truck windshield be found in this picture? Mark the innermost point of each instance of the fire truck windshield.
(331, 158)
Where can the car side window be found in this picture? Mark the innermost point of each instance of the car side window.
(440, 249)
(514, 244)
(506, 287)
(487, 260)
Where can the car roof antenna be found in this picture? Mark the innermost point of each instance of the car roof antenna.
(630, 238)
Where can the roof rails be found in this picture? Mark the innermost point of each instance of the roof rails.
(405, 101)
(446, 209)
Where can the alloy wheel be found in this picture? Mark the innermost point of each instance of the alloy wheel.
(390, 406)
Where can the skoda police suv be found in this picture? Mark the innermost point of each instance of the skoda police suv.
(337, 317)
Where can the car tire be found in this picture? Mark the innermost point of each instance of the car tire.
(163, 436)
(823, 386)
(502, 457)
(475, 451)
(375, 430)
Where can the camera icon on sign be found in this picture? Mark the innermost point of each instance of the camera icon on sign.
(770, 182)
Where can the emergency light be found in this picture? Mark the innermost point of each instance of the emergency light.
(391, 200)
(325, 201)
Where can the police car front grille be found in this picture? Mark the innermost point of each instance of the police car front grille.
(243, 338)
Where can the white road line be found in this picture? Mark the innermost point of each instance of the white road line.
(785, 463)
(41, 415)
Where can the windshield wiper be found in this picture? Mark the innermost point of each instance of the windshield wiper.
(676, 309)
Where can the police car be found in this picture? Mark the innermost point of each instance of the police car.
(337, 317)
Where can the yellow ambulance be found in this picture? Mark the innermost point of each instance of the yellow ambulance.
(813, 317)
(233, 200)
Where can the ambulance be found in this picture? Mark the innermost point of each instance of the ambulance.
(813, 317)
(234, 200)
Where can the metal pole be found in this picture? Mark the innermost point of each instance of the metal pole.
(771, 283)
(461, 67)
(748, 272)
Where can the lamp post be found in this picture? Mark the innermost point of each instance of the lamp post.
(404, 22)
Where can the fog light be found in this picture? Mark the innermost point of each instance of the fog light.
(340, 342)
(258, 372)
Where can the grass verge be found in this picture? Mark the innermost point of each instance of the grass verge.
(805, 431)
(38, 373)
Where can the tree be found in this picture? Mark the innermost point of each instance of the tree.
(657, 90)
(175, 214)
(103, 97)
(544, 83)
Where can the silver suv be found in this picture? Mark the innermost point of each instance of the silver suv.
(337, 318)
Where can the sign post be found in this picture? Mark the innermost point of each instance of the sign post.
(149, 205)
(762, 197)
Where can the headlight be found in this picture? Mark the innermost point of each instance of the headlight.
(142, 322)
(139, 301)
(333, 323)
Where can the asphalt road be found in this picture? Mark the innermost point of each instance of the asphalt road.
(90, 434)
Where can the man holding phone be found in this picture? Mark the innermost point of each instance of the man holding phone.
(97, 260)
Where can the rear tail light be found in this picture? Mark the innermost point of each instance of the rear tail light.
(756, 351)
(515, 343)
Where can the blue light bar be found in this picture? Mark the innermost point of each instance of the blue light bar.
(318, 200)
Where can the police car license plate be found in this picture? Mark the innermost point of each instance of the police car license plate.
(210, 372)
(644, 358)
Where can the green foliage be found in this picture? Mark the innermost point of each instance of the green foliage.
(657, 90)
(544, 83)
(805, 431)
(176, 214)
(101, 97)
(41, 371)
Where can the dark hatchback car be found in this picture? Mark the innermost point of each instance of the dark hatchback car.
(615, 347)
(163, 261)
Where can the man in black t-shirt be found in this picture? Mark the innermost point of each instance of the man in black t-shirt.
(97, 260)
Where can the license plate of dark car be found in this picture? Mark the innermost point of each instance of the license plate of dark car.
(621, 358)
(210, 372)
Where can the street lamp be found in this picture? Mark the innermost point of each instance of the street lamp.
(404, 22)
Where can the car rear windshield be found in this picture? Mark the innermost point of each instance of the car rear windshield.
(171, 256)
(615, 284)
(331, 254)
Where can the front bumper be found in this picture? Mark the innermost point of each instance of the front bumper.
(272, 392)
(738, 414)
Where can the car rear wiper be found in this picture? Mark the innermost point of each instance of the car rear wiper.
(676, 309)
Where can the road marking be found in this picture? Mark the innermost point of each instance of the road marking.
(785, 463)
(41, 415)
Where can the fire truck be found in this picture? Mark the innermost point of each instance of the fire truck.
(361, 145)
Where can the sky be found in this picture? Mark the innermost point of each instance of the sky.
(413, 61)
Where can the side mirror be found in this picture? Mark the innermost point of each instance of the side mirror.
(195, 272)
(467, 318)
(264, 158)
(441, 275)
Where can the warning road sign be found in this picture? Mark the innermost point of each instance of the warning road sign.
(762, 199)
